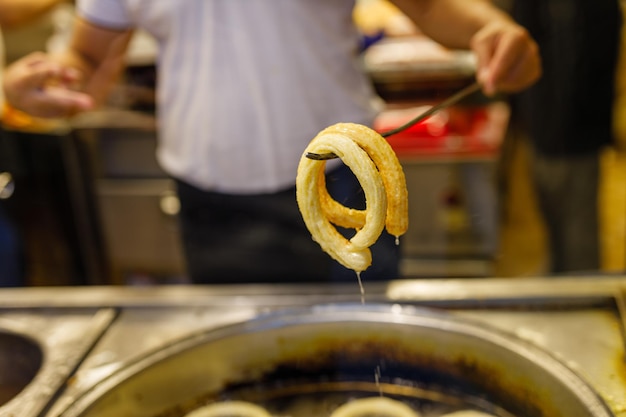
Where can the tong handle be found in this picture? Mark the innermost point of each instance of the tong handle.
(455, 98)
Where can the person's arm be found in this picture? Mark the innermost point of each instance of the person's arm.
(508, 58)
(61, 85)
(14, 13)
(99, 54)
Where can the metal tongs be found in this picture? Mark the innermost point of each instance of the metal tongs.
(472, 88)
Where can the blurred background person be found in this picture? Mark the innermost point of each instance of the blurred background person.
(14, 14)
(242, 88)
(567, 119)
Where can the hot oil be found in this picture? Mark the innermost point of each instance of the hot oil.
(323, 404)
(314, 385)
(321, 399)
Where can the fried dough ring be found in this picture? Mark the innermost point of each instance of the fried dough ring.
(392, 175)
(379, 406)
(230, 408)
(377, 169)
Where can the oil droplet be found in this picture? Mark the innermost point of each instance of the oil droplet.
(358, 277)
(377, 378)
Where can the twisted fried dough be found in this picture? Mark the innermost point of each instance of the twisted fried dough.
(379, 406)
(380, 174)
(229, 409)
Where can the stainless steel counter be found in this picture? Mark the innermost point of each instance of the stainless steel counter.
(576, 319)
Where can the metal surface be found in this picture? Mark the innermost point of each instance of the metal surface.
(455, 98)
(620, 300)
(7, 185)
(407, 343)
(154, 248)
(575, 319)
(453, 227)
(20, 361)
(461, 292)
(127, 187)
(39, 351)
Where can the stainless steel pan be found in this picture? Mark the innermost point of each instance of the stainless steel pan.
(337, 352)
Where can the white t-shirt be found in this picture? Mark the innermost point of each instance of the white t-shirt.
(244, 85)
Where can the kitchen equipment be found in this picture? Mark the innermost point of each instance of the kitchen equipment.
(43, 199)
(472, 88)
(20, 360)
(39, 351)
(328, 354)
(415, 67)
(130, 191)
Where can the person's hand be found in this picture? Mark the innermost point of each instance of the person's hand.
(41, 87)
(508, 58)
